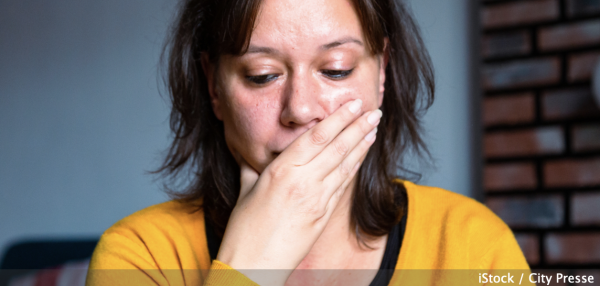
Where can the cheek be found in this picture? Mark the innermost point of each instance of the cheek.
(365, 86)
(372, 86)
(250, 121)
(251, 112)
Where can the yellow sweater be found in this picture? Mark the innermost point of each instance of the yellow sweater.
(166, 244)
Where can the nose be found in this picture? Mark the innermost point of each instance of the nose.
(304, 102)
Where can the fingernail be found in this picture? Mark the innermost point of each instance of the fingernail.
(355, 106)
(374, 117)
(371, 136)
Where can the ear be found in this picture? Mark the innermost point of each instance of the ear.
(209, 72)
(383, 62)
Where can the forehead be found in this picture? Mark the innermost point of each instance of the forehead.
(291, 24)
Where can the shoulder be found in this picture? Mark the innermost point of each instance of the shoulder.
(166, 235)
(443, 206)
(172, 219)
(460, 231)
(173, 216)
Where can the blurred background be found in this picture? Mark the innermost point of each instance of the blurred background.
(514, 123)
(541, 140)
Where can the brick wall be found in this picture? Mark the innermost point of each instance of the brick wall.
(542, 127)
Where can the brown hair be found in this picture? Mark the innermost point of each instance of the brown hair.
(199, 162)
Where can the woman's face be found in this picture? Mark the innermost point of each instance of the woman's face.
(305, 59)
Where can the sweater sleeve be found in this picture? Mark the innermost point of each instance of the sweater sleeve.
(221, 274)
(505, 258)
(161, 245)
(505, 253)
(119, 260)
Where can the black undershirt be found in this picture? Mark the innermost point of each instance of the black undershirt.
(386, 269)
(390, 255)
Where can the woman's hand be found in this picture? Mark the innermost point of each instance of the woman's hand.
(281, 213)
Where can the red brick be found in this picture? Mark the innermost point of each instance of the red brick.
(520, 12)
(581, 66)
(572, 173)
(573, 248)
(586, 137)
(569, 35)
(569, 103)
(546, 140)
(521, 73)
(506, 44)
(498, 177)
(530, 246)
(585, 209)
(538, 211)
(511, 109)
(577, 8)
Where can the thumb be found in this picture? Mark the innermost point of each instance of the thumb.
(248, 178)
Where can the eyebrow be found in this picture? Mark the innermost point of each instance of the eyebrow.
(271, 51)
(341, 42)
(262, 50)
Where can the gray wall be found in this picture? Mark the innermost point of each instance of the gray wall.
(82, 120)
(80, 114)
(450, 31)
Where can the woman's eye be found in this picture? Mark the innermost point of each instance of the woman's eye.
(262, 79)
(337, 74)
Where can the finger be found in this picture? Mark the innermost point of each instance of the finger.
(313, 141)
(248, 178)
(334, 154)
(344, 171)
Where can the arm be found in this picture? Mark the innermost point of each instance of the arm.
(120, 260)
(506, 258)
(278, 216)
(281, 213)
(124, 257)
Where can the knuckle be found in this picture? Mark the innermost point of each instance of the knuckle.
(318, 137)
(314, 211)
(340, 148)
(276, 170)
(344, 169)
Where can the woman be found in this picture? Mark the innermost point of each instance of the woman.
(290, 120)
